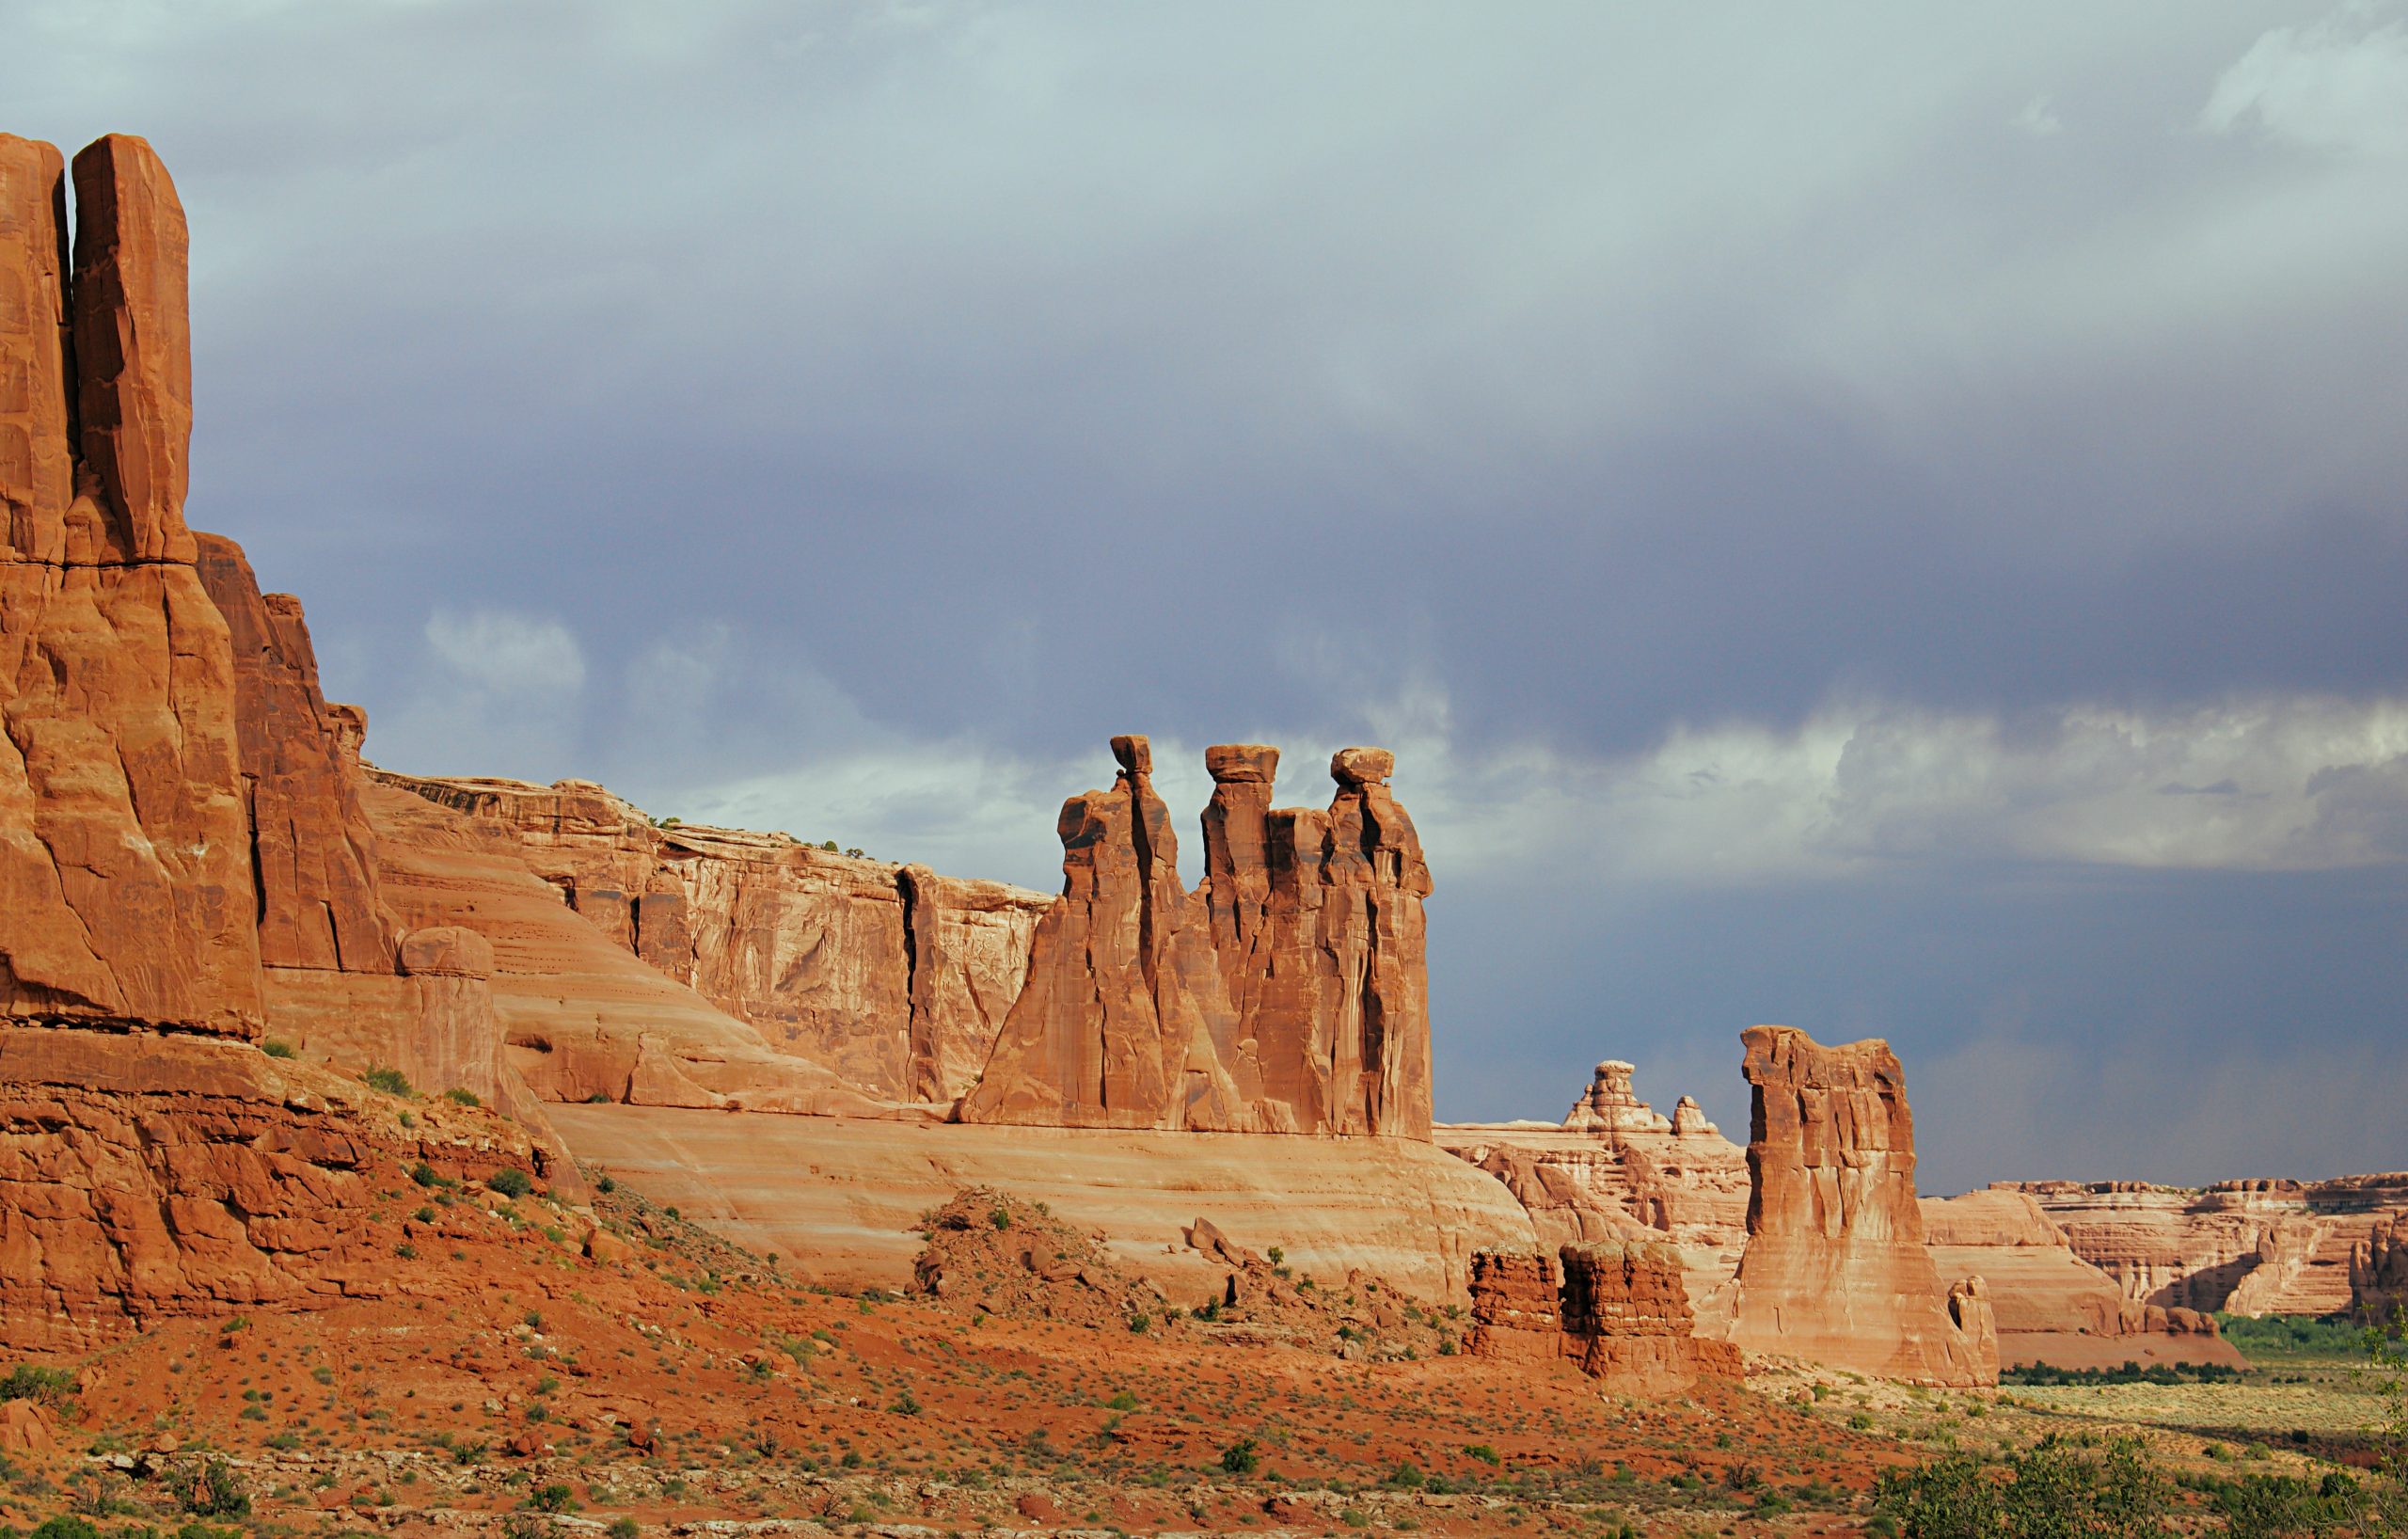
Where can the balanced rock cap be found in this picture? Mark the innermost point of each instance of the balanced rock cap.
(1135, 753)
(1362, 766)
(1251, 764)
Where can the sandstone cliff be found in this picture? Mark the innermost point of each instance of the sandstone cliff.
(895, 977)
(1835, 1268)
(2379, 1271)
(1287, 994)
(2050, 1305)
(2255, 1246)
(179, 834)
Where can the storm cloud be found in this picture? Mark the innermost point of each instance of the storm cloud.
(1887, 518)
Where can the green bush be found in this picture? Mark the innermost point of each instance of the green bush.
(466, 1098)
(64, 1526)
(2291, 1336)
(276, 1047)
(391, 1081)
(552, 1498)
(624, 1527)
(510, 1182)
(2047, 1492)
(209, 1487)
(1242, 1457)
(33, 1382)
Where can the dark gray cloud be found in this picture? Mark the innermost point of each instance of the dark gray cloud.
(776, 409)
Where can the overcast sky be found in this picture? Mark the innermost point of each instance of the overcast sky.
(1887, 519)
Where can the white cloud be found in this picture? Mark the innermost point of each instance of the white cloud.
(2339, 85)
(507, 652)
(491, 692)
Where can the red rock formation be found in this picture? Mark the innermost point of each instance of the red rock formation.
(582, 1016)
(313, 855)
(1619, 1311)
(158, 1176)
(1515, 1305)
(895, 977)
(124, 852)
(1626, 1318)
(2379, 1271)
(1124, 1022)
(181, 851)
(1835, 1268)
(1617, 1169)
(1287, 994)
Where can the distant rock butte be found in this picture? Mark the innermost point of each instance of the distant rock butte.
(894, 978)
(2255, 1246)
(1835, 1269)
(2379, 1271)
(1287, 994)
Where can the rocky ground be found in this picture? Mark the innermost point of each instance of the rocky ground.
(512, 1383)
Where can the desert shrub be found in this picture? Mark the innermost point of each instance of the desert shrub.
(65, 1526)
(276, 1047)
(2131, 1372)
(624, 1527)
(34, 1382)
(1484, 1453)
(2047, 1492)
(208, 1487)
(1242, 1457)
(510, 1182)
(466, 1098)
(552, 1498)
(391, 1081)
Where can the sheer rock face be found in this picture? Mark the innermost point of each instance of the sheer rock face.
(894, 979)
(2255, 1246)
(125, 882)
(133, 332)
(315, 855)
(1287, 994)
(1835, 1268)
(183, 861)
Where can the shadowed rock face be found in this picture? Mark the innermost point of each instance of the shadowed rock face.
(1835, 1268)
(894, 979)
(1287, 994)
(2379, 1271)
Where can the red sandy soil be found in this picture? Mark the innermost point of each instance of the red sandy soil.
(686, 1381)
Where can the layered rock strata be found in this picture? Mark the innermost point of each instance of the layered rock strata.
(2049, 1305)
(1835, 1269)
(1620, 1311)
(1617, 1169)
(1287, 994)
(2253, 1247)
(895, 977)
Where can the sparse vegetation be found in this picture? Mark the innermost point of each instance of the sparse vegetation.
(391, 1081)
(510, 1182)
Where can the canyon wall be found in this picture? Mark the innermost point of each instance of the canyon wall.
(893, 978)
(1835, 1269)
(2255, 1247)
(178, 833)
(1286, 993)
